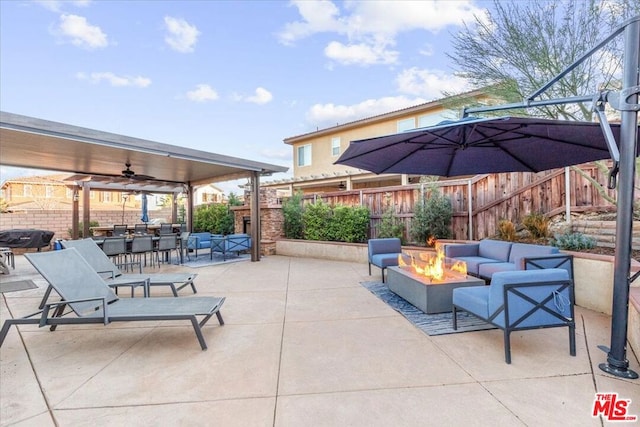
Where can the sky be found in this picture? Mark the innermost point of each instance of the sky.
(228, 77)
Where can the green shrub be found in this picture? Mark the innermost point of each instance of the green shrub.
(507, 230)
(292, 211)
(349, 224)
(537, 224)
(316, 218)
(215, 218)
(432, 216)
(573, 241)
(390, 225)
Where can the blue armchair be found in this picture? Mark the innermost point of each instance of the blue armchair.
(384, 253)
(521, 300)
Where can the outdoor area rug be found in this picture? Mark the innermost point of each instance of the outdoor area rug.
(17, 285)
(430, 324)
(204, 261)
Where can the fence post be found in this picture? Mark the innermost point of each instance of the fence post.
(470, 204)
(567, 195)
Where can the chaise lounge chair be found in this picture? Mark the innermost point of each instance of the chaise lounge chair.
(92, 301)
(101, 263)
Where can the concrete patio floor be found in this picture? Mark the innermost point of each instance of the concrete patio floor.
(303, 344)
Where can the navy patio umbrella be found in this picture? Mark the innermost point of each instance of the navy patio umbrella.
(482, 145)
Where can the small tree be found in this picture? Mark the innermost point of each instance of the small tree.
(389, 225)
(292, 210)
(432, 216)
(234, 200)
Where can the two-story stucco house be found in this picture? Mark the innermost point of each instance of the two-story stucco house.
(314, 153)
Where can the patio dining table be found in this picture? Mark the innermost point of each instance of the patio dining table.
(106, 230)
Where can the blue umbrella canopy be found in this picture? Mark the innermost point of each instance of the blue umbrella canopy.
(478, 145)
(145, 209)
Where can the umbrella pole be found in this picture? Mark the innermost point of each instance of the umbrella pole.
(617, 363)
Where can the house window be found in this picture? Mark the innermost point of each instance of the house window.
(48, 191)
(430, 119)
(106, 196)
(335, 146)
(406, 124)
(69, 193)
(304, 155)
(27, 191)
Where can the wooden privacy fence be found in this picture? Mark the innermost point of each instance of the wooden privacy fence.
(481, 201)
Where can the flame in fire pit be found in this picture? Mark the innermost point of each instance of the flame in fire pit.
(434, 266)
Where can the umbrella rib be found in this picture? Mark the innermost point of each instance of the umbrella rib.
(416, 149)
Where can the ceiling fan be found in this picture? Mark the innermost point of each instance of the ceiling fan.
(128, 173)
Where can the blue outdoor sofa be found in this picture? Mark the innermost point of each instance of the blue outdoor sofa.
(231, 243)
(201, 240)
(487, 257)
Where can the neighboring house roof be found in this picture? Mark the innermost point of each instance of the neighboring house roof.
(383, 116)
(55, 179)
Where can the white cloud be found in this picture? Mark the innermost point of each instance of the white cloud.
(429, 83)
(82, 33)
(322, 115)
(261, 96)
(115, 80)
(182, 36)
(317, 17)
(361, 54)
(369, 27)
(202, 93)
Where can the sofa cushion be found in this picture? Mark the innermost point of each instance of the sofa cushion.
(524, 250)
(474, 262)
(472, 299)
(461, 250)
(488, 269)
(495, 250)
(384, 260)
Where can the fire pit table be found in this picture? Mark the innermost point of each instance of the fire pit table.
(428, 294)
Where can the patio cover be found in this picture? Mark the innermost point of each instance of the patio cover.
(98, 158)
